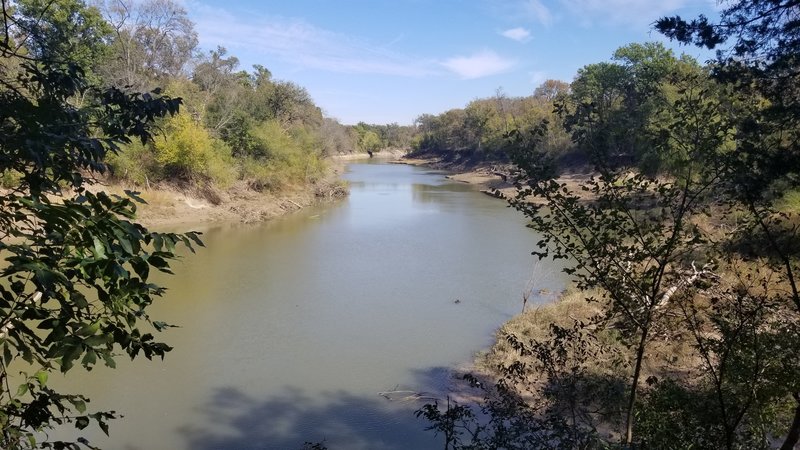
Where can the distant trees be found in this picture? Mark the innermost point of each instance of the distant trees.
(153, 41)
(551, 90)
(226, 134)
(614, 106)
(373, 137)
(66, 31)
(477, 132)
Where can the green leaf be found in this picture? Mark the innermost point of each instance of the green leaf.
(82, 421)
(41, 376)
(7, 356)
(22, 389)
(103, 426)
(99, 249)
(124, 242)
(89, 359)
(161, 326)
(109, 360)
(70, 355)
(79, 405)
(88, 329)
(100, 339)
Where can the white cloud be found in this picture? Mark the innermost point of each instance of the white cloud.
(481, 64)
(518, 34)
(301, 44)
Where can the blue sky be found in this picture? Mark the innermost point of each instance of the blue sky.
(383, 61)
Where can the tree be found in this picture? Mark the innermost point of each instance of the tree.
(292, 105)
(74, 287)
(369, 142)
(633, 238)
(612, 104)
(62, 30)
(336, 138)
(153, 41)
(223, 90)
(550, 90)
(761, 64)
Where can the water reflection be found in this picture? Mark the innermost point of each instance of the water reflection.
(289, 329)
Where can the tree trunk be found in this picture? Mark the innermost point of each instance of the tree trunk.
(794, 430)
(635, 385)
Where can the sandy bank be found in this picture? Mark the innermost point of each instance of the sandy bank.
(176, 207)
(387, 154)
(494, 179)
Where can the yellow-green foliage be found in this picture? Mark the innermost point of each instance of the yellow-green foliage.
(535, 323)
(189, 151)
(135, 162)
(284, 157)
(10, 179)
(790, 202)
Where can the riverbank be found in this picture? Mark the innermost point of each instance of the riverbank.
(390, 155)
(177, 205)
(494, 179)
(172, 206)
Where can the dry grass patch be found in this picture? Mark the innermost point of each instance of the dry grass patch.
(534, 324)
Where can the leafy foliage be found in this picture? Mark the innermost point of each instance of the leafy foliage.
(476, 133)
(63, 31)
(552, 397)
(74, 286)
(187, 151)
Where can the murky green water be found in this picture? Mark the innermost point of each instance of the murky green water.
(290, 329)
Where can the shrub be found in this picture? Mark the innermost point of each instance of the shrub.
(188, 151)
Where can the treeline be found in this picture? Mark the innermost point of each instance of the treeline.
(477, 132)
(619, 102)
(235, 125)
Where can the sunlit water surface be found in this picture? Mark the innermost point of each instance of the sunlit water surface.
(289, 329)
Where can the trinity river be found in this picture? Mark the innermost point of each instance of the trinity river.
(289, 329)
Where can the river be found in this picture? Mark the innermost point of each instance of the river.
(289, 329)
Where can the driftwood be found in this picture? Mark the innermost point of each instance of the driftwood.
(407, 396)
(294, 203)
(690, 279)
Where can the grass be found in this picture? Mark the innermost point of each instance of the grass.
(534, 324)
(790, 203)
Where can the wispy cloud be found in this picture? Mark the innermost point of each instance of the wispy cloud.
(302, 44)
(518, 34)
(622, 12)
(478, 65)
(538, 77)
(536, 10)
(533, 11)
(638, 13)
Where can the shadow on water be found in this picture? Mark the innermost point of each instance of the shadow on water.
(338, 420)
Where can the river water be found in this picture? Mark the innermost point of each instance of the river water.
(289, 329)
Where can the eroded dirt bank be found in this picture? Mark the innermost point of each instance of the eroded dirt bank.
(171, 206)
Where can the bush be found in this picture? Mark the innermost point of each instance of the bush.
(188, 151)
(282, 158)
(135, 163)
